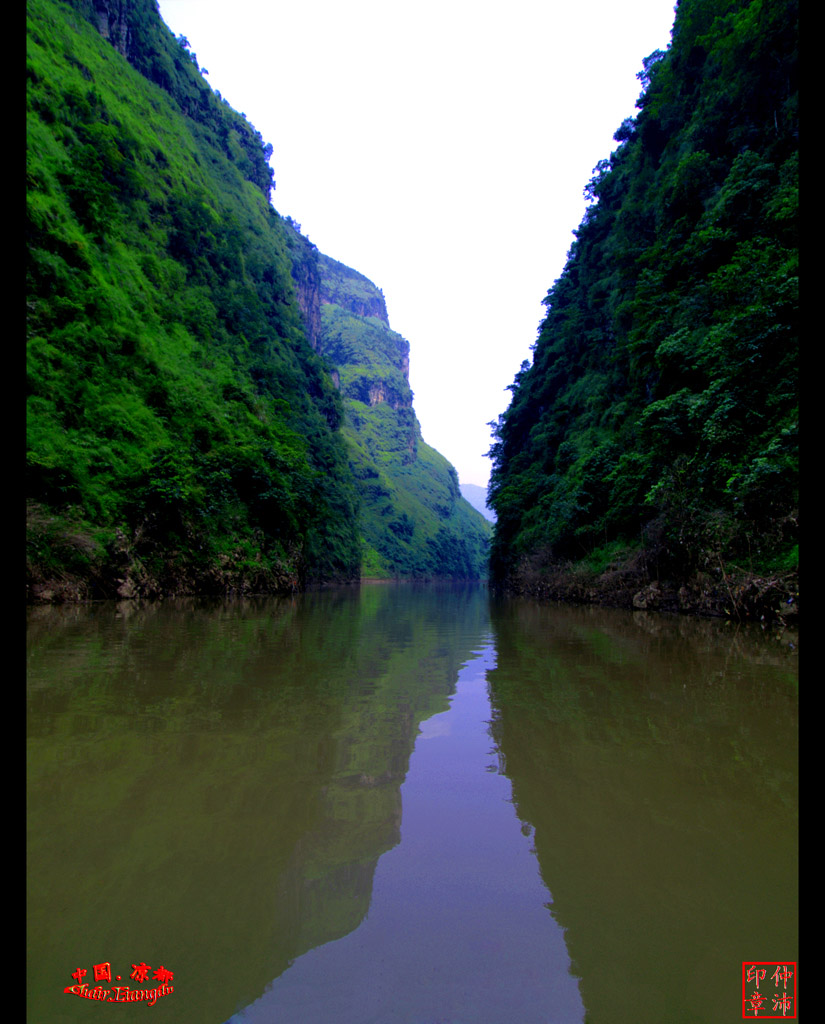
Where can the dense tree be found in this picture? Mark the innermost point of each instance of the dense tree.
(184, 431)
(182, 434)
(660, 408)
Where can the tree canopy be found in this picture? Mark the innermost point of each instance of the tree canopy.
(660, 410)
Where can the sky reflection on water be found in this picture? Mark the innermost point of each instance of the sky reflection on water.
(408, 804)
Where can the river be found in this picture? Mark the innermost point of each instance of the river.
(406, 803)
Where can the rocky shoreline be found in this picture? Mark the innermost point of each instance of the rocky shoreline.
(730, 593)
(126, 576)
(719, 592)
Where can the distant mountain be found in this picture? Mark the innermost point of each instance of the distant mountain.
(413, 520)
(477, 497)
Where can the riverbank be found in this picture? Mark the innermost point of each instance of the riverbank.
(722, 592)
(123, 575)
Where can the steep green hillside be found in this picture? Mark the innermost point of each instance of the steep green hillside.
(182, 434)
(414, 521)
(656, 430)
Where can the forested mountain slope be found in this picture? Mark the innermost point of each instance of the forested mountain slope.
(184, 433)
(653, 438)
(413, 520)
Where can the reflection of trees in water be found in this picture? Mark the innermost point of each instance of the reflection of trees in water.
(248, 757)
(656, 759)
(405, 668)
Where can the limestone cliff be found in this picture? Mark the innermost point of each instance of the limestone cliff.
(373, 361)
(413, 519)
(353, 292)
(110, 17)
(306, 277)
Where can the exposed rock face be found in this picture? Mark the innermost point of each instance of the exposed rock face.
(649, 598)
(413, 520)
(382, 392)
(309, 302)
(306, 276)
(396, 351)
(373, 361)
(345, 287)
(374, 308)
(110, 18)
(403, 353)
(740, 596)
(322, 281)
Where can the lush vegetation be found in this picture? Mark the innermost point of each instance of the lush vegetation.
(184, 430)
(659, 416)
(414, 521)
(182, 434)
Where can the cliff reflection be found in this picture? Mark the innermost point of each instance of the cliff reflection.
(212, 784)
(656, 759)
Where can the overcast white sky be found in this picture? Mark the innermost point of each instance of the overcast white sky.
(441, 149)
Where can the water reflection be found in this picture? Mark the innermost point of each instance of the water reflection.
(457, 931)
(219, 787)
(656, 759)
(212, 784)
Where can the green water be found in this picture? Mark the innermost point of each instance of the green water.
(407, 803)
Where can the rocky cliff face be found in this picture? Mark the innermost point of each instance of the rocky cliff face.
(111, 21)
(413, 520)
(306, 276)
(380, 392)
(372, 360)
(353, 292)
